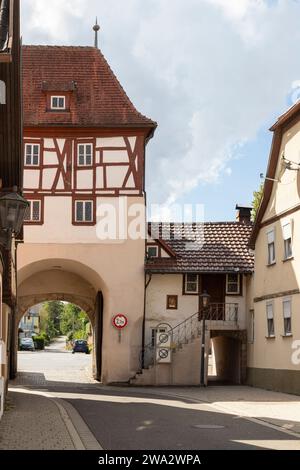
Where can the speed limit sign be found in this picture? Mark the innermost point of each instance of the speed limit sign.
(120, 321)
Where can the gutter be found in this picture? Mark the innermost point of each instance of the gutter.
(144, 316)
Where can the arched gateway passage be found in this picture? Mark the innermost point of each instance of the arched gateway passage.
(69, 281)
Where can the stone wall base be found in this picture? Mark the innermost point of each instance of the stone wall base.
(278, 380)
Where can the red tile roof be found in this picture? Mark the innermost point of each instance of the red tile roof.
(98, 99)
(209, 247)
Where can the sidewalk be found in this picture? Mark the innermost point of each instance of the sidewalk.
(37, 421)
(270, 408)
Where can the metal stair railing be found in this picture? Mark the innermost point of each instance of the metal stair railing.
(190, 328)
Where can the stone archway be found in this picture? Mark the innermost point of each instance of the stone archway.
(60, 283)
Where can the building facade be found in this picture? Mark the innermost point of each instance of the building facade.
(84, 163)
(274, 323)
(183, 262)
(10, 173)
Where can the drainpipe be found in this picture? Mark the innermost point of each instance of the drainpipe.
(147, 282)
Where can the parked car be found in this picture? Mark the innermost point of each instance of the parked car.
(27, 344)
(80, 345)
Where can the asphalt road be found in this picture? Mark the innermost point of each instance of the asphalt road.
(131, 418)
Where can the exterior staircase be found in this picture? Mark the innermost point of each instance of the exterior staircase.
(183, 364)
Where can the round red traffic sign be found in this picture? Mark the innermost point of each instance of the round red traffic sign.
(120, 321)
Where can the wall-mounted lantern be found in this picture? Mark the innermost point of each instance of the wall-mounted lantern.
(12, 213)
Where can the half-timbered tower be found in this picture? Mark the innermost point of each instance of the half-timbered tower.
(84, 158)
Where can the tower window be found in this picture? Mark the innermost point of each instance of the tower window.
(33, 212)
(58, 102)
(83, 211)
(85, 154)
(32, 154)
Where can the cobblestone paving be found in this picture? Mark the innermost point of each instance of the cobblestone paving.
(32, 422)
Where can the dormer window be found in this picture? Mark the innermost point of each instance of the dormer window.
(58, 103)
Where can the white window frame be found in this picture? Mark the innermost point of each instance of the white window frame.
(271, 239)
(31, 155)
(85, 145)
(84, 220)
(287, 300)
(270, 316)
(58, 97)
(156, 251)
(287, 239)
(238, 291)
(186, 282)
(31, 219)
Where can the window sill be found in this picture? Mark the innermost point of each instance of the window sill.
(287, 259)
(270, 337)
(271, 264)
(288, 335)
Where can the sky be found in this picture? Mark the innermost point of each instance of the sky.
(214, 74)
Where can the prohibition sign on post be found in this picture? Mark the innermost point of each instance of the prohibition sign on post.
(120, 321)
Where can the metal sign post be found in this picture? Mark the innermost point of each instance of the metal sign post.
(120, 322)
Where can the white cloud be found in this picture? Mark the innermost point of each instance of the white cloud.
(211, 72)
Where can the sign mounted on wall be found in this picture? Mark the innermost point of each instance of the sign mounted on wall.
(120, 321)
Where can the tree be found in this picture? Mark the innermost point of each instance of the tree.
(73, 322)
(50, 315)
(257, 197)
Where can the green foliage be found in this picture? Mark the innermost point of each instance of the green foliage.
(257, 197)
(50, 315)
(73, 322)
(39, 342)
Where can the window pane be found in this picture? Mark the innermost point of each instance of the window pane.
(35, 150)
(28, 212)
(288, 252)
(35, 160)
(271, 330)
(36, 211)
(61, 102)
(286, 309)
(88, 211)
(233, 278)
(232, 287)
(271, 253)
(270, 311)
(81, 149)
(28, 159)
(191, 287)
(54, 102)
(287, 326)
(88, 160)
(191, 277)
(79, 211)
(152, 251)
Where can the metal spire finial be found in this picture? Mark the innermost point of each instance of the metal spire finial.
(96, 28)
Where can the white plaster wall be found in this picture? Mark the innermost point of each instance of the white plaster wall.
(160, 286)
(58, 228)
(113, 156)
(31, 179)
(115, 176)
(84, 179)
